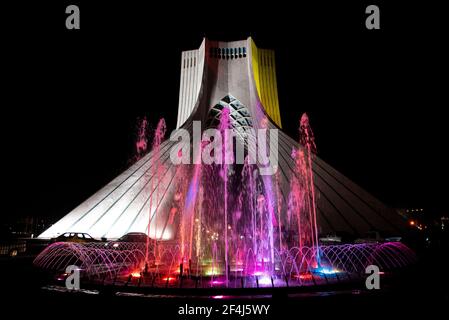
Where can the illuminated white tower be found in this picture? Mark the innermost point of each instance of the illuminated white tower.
(242, 77)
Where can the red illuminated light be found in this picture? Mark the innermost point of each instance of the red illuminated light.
(136, 274)
(304, 276)
(169, 279)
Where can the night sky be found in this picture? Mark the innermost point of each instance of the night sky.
(375, 99)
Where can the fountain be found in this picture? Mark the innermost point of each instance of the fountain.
(231, 233)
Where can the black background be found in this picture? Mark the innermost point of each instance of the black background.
(70, 98)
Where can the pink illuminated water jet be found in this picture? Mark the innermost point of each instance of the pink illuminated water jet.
(233, 226)
(142, 139)
(156, 174)
(227, 154)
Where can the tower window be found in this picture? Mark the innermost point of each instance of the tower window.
(226, 53)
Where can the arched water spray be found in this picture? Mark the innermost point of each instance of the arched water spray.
(297, 265)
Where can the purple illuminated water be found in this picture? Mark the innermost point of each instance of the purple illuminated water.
(142, 139)
(156, 171)
(302, 198)
(227, 157)
(234, 229)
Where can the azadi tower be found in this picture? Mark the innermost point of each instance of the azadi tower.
(241, 77)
